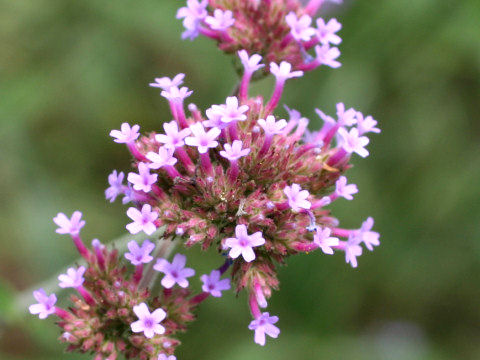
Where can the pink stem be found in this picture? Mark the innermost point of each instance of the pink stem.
(62, 314)
(341, 232)
(266, 144)
(309, 66)
(206, 163)
(136, 154)
(137, 276)
(262, 302)
(234, 170)
(276, 96)
(233, 131)
(286, 40)
(158, 191)
(305, 247)
(330, 134)
(309, 44)
(100, 258)
(181, 119)
(282, 206)
(313, 6)
(337, 157)
(172, 172)
(185, 159)
(210, 33)
(254, 306)
(243, 91)
(82, 249)
(199, 298)
(86, 295)
(304, 148)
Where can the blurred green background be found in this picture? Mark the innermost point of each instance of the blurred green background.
(73, 70)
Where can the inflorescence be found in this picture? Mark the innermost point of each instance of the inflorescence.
(236, 178)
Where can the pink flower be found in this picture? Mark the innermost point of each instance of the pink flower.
(297, 198)
(201, 139)
(366, 125)
(221, 20)
(69, 226)
(142, 220)
(163, 158)
(175, 272)
(326, 55)
(271, 126)
(252, 63)
(142, 181)
(283, 72)
(116, 187)
(148, 323)
(234, 152)
(165, 83)
(352, 250)
(229, 112)
(243, 243)
(326, 31)
(346, 117)
(352, 142)
(264, 325)
(175, 94)
(300, 28)
(192, 15)
(139, 254)
(45, 306)
(73, 278)
(213, 285)
(369, 238)
(165, 357)
(344, 190)
(323, 239)
(172, 138)
(126, 134)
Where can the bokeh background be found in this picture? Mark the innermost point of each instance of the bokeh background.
(73, 70)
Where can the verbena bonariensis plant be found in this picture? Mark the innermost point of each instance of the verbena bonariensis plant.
(236, 178)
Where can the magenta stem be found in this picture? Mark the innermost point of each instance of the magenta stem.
(62, 314)
(309, 66)
(137, 276)
(132, 147)
(254, 308)
(286, 40)
(313, 6)
(330, 134)
(341, 232)
(210, 33)
(206, 163)
(261, 301)
(282, 206)
(86, 295)
(304, 148)
(172, 172)
(233, 131)
(82, 249)
(276, 96)
(234, 171)
(311, 43)
(100, 258)
(305, 247)
(173, 109)
(185, 159)
(181, 119)
(266, 144)
(199, 298)
(337, 157)
(158, 191)
(243, 91)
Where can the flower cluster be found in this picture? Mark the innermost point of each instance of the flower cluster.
(278, 30)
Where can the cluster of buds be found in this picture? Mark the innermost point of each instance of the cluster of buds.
(235, 177)
(278, 30)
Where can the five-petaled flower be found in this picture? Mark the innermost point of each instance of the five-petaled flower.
(284, 71)
(213, 285)
(271, 126)
(126, 134)
(221, 20)
(142, 181)
(148, 323)
(73, 278)
(300, 27)
(163, 158)
(344, 190)
(352, 250)
(202, 139)
(297, 198)
(142, 220)
(243, 243)
(352, 142)
(45, 306)
(368, 237)
(116, 187)
(165, 83)
(326, 31)
(264, 325)
(234, 152)
(70, 226)
(139, 254)
(172, 137)
(250, 63)
(166, 357)
(324, 241)
(175, 272)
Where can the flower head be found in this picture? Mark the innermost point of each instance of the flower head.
(344, 190)
(148, 323)
(252, 63)
(172, 137)
(175, 272)
(297, 198)
(165, 83)
(70, 226)
(327, 55)
(45, 306)
(73, 278)
(213, 285)
(271, 126)
(221, 20)
(284, 71)
(164, 157)
(142, 220)
(323, 240)
(234, 152)
(142, 181)
(368, 237)
(300, 28)
(326, 31)
(243, 243)
(139, 254)
(126, 134)
(264, 325)
(201, 139)
(352, 142)
(116, 185)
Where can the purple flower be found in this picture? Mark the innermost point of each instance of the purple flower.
(264, 325)
(234, 152)
(192, 15)
(366, 125)
(252, 63)
(352, 142)
(323, 239)
(346, 117)
(229, 112)
(352, 250)
(142, 220)
(164, 157)
(126, 134)
(243, 243)
(201, 139)
(142, 181)
(326, 31)
(300, 28)
(175, 272)
(369, 238)
(172, 138)
(139, 254)
(165, 357)
(45, 306)
(344, 190)
(283, 72)
(271, 126)
(70, 226)
(326, 55)
(221, 20)
(213, 285)
(175, 94)
(165, 83)
(73, 278)
(148, 323)
(116, 185)
(297, 198)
